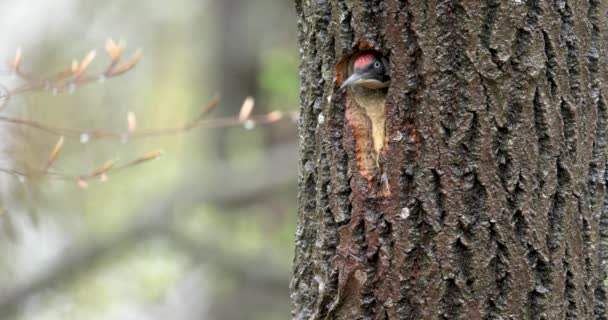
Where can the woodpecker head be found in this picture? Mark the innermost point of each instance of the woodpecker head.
(369, 70)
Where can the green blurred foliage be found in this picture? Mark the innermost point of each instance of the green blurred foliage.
(279, 77)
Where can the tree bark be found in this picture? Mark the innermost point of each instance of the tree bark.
(495, 157)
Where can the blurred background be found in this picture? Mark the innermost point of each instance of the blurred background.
(203, 232)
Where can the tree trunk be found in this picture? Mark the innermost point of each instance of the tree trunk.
(495, 157)
(235, 64)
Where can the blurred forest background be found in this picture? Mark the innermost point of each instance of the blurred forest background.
(204, 232)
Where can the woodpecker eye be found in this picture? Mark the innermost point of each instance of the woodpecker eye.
(376, 64)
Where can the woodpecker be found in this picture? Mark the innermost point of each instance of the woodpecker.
(367, 84)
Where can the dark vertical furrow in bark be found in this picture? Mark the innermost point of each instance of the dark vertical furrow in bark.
(557, 211)
(514, 118)
(452, 300)
(578, 121)
(327, 243)
(570, 292)
(493, 290)
(589, 275)
(452, 103)
(475, 224)
(598, 202)
(434, 207)
(597, 169)
(543, 136)
(595, 181)
(537, 298)
(344, 22)
(339, 189)
(568, 36)
(497, 302)
(550, 64)
(518, 220)
(540, 303)
(600, 290)
(490, 13)
(568, 113)
(596, 185)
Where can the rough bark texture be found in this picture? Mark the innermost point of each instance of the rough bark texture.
(495, 157)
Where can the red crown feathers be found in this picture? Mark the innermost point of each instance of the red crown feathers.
(363, 60)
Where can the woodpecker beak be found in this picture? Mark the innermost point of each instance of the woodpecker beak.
(354, 79)
(357, 79)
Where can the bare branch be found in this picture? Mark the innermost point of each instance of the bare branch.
(198, 122)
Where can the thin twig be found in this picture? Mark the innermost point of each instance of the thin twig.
(199, 122)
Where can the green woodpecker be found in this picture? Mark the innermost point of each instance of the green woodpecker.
(368, 81)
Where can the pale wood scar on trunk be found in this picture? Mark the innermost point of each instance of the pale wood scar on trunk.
(368, 125)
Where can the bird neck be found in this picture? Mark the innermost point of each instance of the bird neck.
(373, 101)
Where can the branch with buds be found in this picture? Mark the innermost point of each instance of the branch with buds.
(200, 121)
(68, 80)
